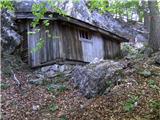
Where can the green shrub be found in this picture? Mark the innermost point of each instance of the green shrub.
(4, 86)
(153, 84)
(53, 107)
(130, 104)
(51, 89)
(155, 104)
(155, 109)
(62, 88)
(63, 118)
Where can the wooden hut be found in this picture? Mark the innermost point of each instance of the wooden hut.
(65, 40)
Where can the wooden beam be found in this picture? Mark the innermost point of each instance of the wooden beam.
(61, 62)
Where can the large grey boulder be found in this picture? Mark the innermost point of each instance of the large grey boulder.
(92, 80)
(10, 37)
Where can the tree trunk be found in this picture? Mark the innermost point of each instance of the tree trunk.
(146, 15)
(154, 37)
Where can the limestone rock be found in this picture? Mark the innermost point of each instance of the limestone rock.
(52, 70)
(10, 37)
(38, 81)
(93, 81)
(157, 59)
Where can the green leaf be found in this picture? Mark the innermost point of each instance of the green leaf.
(53, 107)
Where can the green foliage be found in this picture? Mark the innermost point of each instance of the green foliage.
(130, 104)
(50, 89)
(117, 7)
(109, 82)
(155, 109)
(56, 91)
(153, 84)
(63, 118)
(145, 73)
(155, 104)
(6, 4)
(62, 88)
(4, 86)
(100, 5)
(53, 107)
(60, 77)
(39, 45)
(38, 10)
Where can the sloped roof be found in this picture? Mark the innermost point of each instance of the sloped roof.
(79, 12)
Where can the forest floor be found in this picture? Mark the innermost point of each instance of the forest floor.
(136, 98)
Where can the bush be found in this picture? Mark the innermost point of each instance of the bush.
(130, 104)
(4, 86)
(53, 107)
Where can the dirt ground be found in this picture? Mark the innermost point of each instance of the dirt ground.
(137, 97)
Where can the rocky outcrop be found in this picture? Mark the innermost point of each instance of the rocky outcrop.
(52, 70)
(157, 58)
(93, 79)
(10, 37)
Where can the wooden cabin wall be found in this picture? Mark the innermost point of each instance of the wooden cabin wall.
(111, 48)
(77, 49)
(71, 43)
(64, 43)
(44, 46)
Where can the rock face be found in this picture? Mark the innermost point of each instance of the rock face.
(52, 70)
(92, 80)
(10, 37)
(157, 59)
(80, 11)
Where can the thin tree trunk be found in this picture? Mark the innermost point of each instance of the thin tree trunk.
(154, 38)
(146, 15)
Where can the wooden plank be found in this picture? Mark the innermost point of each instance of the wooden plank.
(32, 43)
(73, 43)
(98, 48)
(43, 49)
(29, 47)
(62, 62)
(61, 47)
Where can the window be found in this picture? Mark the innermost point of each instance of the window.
(84, 34)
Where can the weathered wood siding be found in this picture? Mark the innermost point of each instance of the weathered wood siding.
(63, 42)
(71, 43)
(50, 41)
(111, 48)
(80, 49)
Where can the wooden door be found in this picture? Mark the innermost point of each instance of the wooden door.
(87, 48)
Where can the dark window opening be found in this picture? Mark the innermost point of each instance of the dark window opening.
(84, 34)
